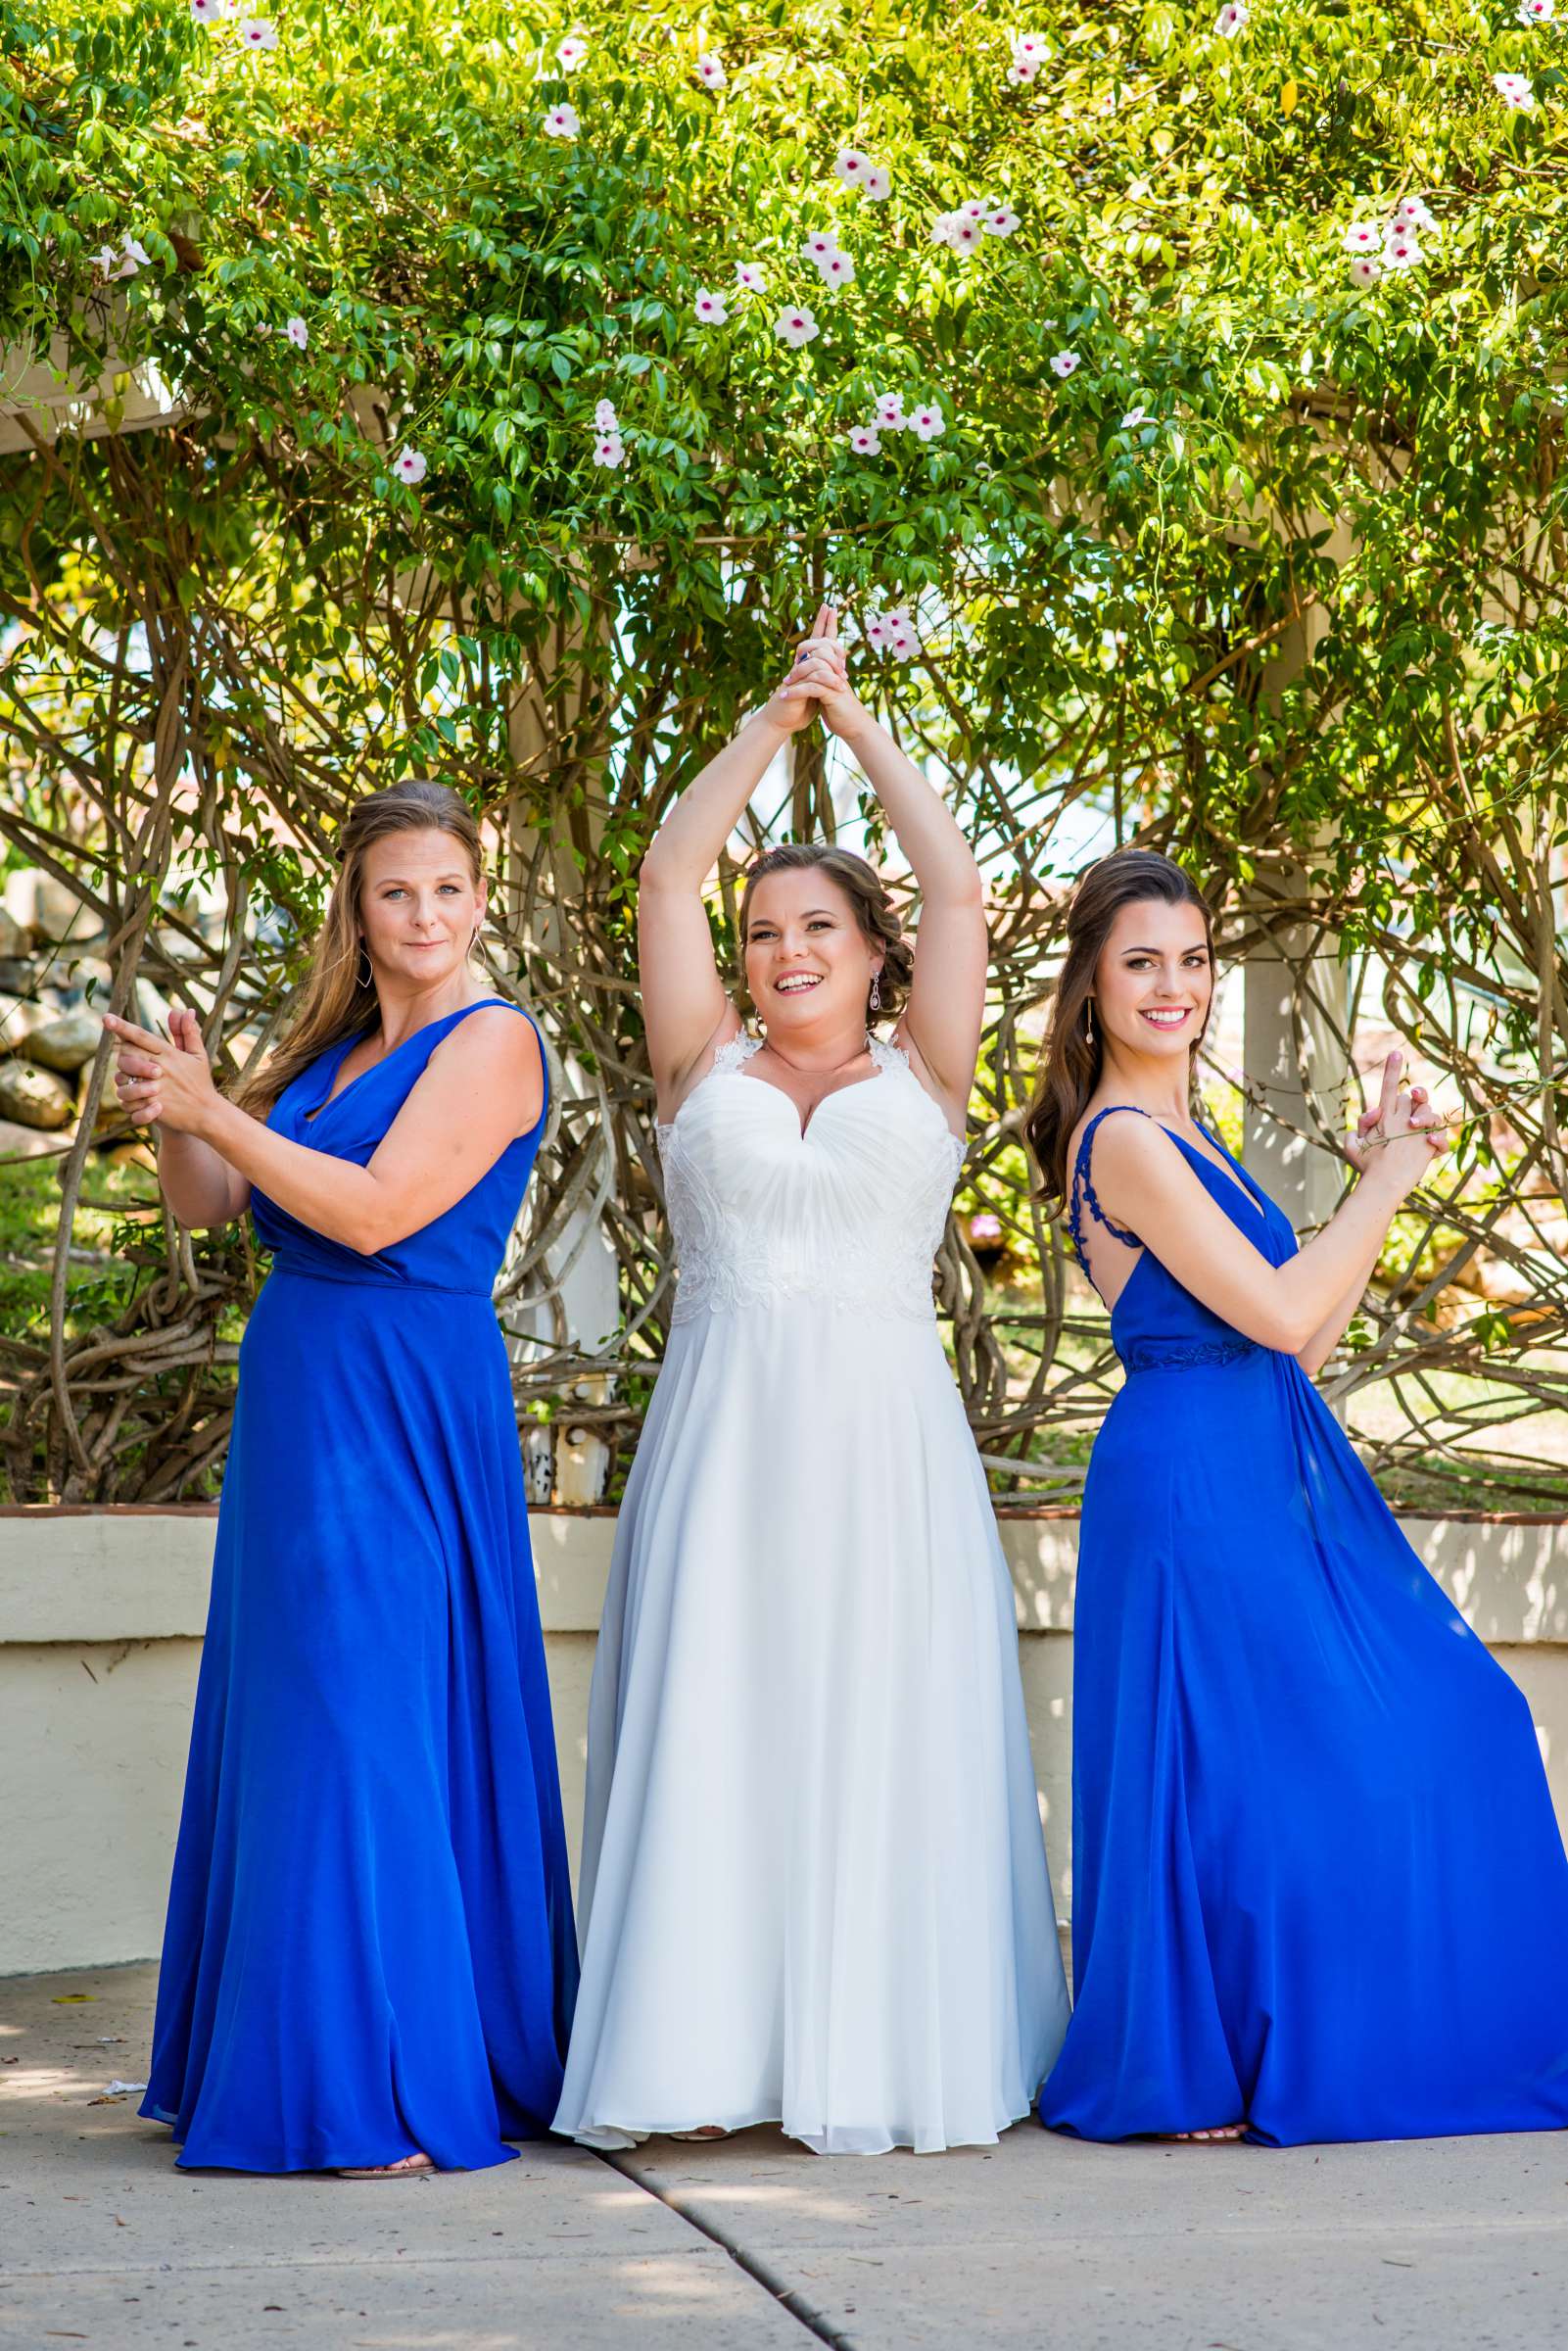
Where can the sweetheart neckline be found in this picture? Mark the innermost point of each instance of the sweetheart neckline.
(666, 1127)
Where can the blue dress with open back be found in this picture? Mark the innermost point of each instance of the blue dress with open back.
(370, 1947)
(1319, 1885)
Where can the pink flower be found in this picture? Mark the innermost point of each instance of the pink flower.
(1515, 89)
(837, 270)
(1410, 212)
(571, 53)
(1030, 46)
(852, 166)
(928, 424)
(965, 234)
(1537, 12)
(1401, 249)
(901, 645)
(795, 328)
(864, 441)
(975, 209)
(561, 122)
(1364, 271)
(710, 71)
(985, 1228)
(410, 467)
(606, 419)
(123, 261)
(609, 449)
(1362, 236)
(1133, 419)
(1231, 18)
(942, 228)
(710, 309)
(298, 333)
(879, 183)
(1023, 70)
(1000, 222)
(1065, 363)
(751, 275)
(818, 246)
(259, 33)
(890, 417)
(205, 12)
(875, 633)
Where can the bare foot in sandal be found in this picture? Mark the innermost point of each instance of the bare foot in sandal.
(389, 2171)
(1225, 2132)
(708, 2131)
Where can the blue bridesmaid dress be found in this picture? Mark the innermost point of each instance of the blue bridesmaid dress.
(1318, 1883)
(371, 1946)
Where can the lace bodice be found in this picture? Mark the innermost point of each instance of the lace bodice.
(850, 1213)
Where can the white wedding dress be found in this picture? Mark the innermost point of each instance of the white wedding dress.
(814, 1885)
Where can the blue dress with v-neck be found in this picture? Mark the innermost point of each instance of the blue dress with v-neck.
(1318, 1885)
(370, 1947)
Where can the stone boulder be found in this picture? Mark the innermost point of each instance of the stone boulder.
(19, 1018)
(25, 1142)
(13, 936)
(67, 1041)
(32, 1096)
(48, 908)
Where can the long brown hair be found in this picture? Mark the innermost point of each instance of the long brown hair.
(874, 910)
(1070, 1063)
(339, 997)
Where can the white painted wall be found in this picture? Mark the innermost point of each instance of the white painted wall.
(100, 1615)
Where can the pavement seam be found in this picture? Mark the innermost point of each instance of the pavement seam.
(789, 2297)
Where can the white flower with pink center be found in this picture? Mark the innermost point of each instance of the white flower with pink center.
(975, 209)
(709, 307)
(1065, 363)
(879, 183)
(1031, 46)
(606, 419)
(410, 467)
(1515, 90)
(1364, 271)
(795, 326)
(1021, 72)
(890, 417)
(852, 166)
(298, 332)
(711, 73)
(1000, 222)
(609, 449)
(926, 423)
(1231, 18)
(1411, 212)
(864, 440)
(259, 33)
(942, 228)
(1133, 419)
(561, 122)
(205, 12)
(571, 53)
(818, 246)
(751, 275)
(1537, 12)
(1362, 236)
(1401, 249)
(875, 632)
(966, 234)
(837, 269)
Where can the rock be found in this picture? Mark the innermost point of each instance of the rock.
(19, 1019)
(49, 909)
(33, 1097)
(75, 979)
(13, 936)
(25, 1142)
(17, 975)
(66, 1041)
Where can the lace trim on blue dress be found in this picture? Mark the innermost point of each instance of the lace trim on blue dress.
(1183, 1355)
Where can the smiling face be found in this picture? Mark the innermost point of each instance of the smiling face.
(1154, 982)
(419, 905)
(808, 961)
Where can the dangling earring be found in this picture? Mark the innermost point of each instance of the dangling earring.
(1088, 1020)
(877, 991)
(363, 972)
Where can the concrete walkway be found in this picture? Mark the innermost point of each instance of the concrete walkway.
(1448, 2245)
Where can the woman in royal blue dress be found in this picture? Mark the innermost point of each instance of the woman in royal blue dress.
(370, 1960)
(1319, 1891)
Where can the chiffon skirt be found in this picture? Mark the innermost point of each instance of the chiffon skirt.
(814, 1882)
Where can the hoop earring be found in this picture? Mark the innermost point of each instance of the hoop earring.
(364, 973)
(1088, 1020)
(875, 1002)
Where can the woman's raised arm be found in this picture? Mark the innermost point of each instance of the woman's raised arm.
(947, 998)
(684, 1003)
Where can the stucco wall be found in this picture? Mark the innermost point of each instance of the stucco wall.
(101, 1613)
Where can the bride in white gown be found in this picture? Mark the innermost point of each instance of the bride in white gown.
(814, 1885)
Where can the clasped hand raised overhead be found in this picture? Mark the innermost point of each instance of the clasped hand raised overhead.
(818, 680)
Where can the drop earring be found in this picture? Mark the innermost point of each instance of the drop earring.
(363, 972)
(875, 999)
(1088, 1020)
